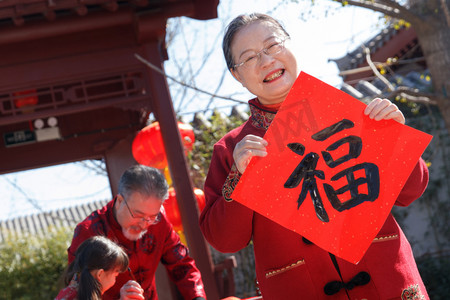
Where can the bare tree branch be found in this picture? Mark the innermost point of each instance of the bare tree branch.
(18, 188)
(446, 12)
(96, 166)
(33, 202)
(187, 64)
(208, 54)
(376, 72)
(155, 68)
(413, 95)
(410, 94)
(381, 65)
(222, 78)
(390, 8)
(393, 4)
(209, 109)
(387, 10)
(171, 30)
(192, 75)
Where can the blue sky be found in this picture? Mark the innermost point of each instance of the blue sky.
(315, 41)
(329, 31)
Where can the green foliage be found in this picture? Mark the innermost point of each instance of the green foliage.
(205, 138)
(31, 266)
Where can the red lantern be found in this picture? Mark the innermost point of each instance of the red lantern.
(25, 98)
(200, 195)
(172, 210)
(148, 147)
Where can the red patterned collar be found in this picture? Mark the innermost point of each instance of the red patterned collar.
(260, 117)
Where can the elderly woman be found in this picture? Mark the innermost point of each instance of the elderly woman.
(288, 266)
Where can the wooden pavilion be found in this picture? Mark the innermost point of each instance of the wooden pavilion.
(72, 89)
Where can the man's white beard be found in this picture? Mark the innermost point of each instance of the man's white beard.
(133, 236)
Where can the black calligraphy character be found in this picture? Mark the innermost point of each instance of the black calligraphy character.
(306, 171)
(355, 147)
(355, 143)
(372, 180)
(335, 128)
(371, 170)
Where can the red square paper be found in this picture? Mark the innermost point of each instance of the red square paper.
(321, 143)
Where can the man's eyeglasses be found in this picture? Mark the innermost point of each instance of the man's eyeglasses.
(150, 220)
(275, 47)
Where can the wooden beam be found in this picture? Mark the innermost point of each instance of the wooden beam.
(164, 113)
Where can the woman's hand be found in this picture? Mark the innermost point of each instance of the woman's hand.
(383, 109)
(249, 146)
(131, 290)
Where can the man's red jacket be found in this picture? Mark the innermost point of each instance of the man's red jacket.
(160, 244)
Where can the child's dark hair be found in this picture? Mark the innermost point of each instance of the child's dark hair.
(95, 253)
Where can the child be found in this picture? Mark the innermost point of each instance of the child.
(97, 263)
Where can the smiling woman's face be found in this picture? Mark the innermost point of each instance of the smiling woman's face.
(271, 78)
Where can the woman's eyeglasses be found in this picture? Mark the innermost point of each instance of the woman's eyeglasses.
(273, 49)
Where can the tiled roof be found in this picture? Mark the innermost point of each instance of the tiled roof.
(20, 11)
(409, 72)
(356, 57)
(37, 224)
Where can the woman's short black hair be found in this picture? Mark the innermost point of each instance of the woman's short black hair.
(239, 22)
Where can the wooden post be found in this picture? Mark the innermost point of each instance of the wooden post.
(162, 107)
